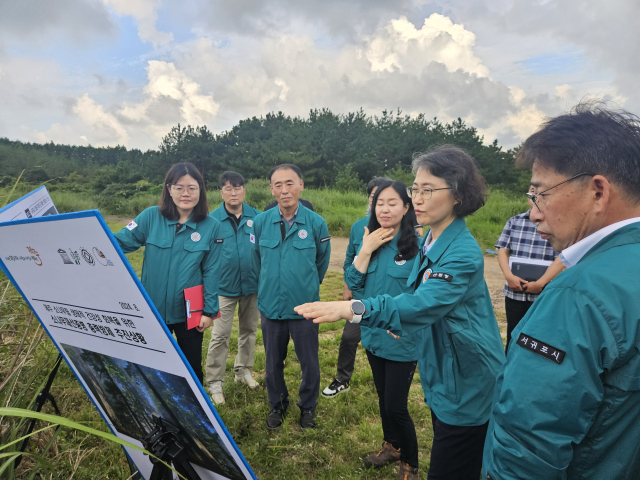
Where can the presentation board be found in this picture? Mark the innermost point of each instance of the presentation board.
(35, 204)
(72, 273)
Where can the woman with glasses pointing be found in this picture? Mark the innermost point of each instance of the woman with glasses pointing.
(180, 252)
(449, 312)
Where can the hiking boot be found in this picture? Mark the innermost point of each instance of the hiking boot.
(387, 455)
(275, 418)
(215, 390)
(243, 375)
(335, 389)
(407, 472)
(306, 419)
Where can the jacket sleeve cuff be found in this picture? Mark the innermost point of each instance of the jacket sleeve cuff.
(354, 279)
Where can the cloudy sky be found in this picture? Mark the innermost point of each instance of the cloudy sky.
(109, 72)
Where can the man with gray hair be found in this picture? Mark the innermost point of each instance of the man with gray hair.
(567, 401)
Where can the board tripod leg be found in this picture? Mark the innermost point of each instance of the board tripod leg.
(41, 399)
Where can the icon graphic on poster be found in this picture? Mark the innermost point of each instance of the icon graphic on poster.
(101, 258)
(75, 256)
(87, 257)
(65, 257)
(36, 256)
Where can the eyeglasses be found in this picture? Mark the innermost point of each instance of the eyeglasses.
(179, 189)
(425, 193)
(537, 198)
(232, 189)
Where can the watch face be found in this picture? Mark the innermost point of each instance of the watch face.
(357, 308)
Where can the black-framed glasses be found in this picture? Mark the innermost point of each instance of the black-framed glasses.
(536, 197)
(425, 192)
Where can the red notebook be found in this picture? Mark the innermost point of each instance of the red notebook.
(194, 305)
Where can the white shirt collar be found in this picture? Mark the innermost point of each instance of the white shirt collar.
(573, 254)
(427, 244)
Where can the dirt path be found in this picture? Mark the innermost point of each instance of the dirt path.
(492, 272)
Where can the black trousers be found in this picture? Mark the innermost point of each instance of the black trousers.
(515, 310)
(456, 453)
(347, 352)
(275, 337)
(393, 380)
(190, 342)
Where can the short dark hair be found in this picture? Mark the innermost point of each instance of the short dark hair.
(407, 240)
(589, 139)
(460, 172)
(234, 179)
(375, 182)
(286, 166)
(168, 207)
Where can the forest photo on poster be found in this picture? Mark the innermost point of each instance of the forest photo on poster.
(130, 394)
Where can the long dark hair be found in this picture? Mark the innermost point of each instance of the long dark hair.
(168, 207)
(408, 240)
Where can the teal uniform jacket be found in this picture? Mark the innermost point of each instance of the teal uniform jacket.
(578, 419)
(355, 242)
(384, 275)
(292, 269)
(173, 262)
(459, 346)
(238, 272)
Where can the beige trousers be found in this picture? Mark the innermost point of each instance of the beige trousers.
(248, 317)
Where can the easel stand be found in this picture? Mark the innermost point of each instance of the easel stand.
(41, 399)
(164, 442)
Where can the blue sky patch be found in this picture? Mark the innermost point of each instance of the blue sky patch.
(553, 64)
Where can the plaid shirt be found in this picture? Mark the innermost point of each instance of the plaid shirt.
(522, 240)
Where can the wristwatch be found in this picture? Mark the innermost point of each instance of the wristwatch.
(357, 308)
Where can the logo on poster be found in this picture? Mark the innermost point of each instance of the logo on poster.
(36, 258)
(101, 258)
(65, 257)
(75, 256)
(87, 256)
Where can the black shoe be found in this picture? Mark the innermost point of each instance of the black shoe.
(275, 418)
(306, 419)
(335, 389)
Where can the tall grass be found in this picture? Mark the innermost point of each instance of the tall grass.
(487, 223)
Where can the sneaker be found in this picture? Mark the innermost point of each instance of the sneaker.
(407, 472)
(306, 419)
(387, 455)
(335, 389)
(243, 375)
(275, 418)
(215, 389)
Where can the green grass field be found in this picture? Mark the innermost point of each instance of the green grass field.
(348, 426)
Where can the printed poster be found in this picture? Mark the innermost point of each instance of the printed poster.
(77, 281)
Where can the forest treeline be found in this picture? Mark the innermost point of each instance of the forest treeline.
(340, 151)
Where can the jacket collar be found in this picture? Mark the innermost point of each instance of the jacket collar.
(622, 236)
(301, 217)
(189, 223)
(444, 240)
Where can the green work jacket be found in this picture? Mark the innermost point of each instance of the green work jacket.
(459, 346)
(174, 261)
(384, 275)
(567, 401)
(291, 269)
(238, 272)
(355, 242)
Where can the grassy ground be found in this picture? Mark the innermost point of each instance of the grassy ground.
(348, 426)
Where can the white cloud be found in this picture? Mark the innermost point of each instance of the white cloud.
(104, 127)
(400, 45)
(169, 87)
(145, 13)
